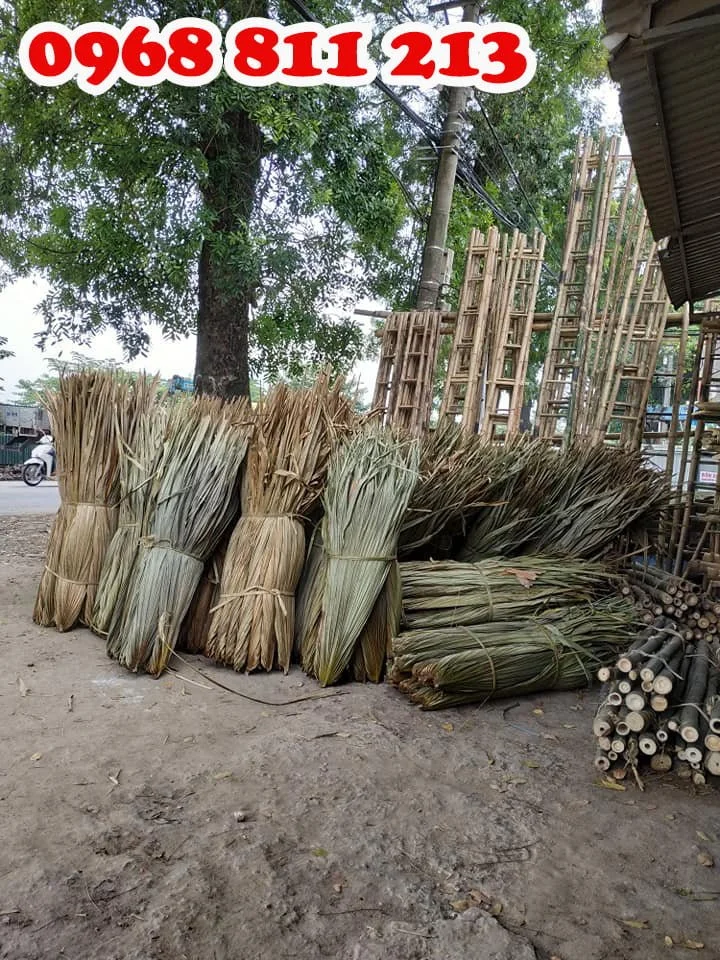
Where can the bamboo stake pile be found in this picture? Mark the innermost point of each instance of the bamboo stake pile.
(559, 649)
(253, 621)
(660, 707)
(659, 595)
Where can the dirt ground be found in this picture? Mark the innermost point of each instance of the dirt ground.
(164, 819)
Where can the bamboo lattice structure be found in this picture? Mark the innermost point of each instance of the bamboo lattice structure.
(408, 357)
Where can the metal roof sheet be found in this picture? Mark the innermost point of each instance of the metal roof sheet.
(666, 59)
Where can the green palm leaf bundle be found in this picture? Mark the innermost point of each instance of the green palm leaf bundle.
(308, 603)
(458, 471)
(577, 502)
(448, 593)
(84, 412)
(140, 443)
(253, 621)
(560, 649)
(195, 496)
(369, 484)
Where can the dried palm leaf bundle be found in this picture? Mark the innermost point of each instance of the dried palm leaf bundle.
(370, 482)
(457, 473)
(253, 622)
(308, 603)
(447, 593)
(83, 413)
(196, 493)
(577, 502)
(375, 642)
(558, 650)
(140, 444)
(196, 627)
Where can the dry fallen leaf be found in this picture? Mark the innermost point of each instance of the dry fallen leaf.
(549, 736)
(343, 736)
(478, 896)
(668, 941)
(337, 887)
(704, 859)
(609, 784)
(526, 578)
(496, 909)
(569, 726)
(319, 852)
(36, 756)
(22, 687)
(531, 764)
(669, 816)
(538, 712)
(694, 945)
(448, 727)
(704, 837)
(223, 775)
(636, 924)
(460, 905)
(115, 779)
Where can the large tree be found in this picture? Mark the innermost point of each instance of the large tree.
(256, 216)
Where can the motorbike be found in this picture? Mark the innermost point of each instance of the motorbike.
(41, 462)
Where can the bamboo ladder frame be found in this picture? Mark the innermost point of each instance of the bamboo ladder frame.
(510, 348)
(463, 385)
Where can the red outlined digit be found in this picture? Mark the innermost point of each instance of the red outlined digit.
(144, 57)
(251, 56)
(46, 54)
(97, 55)
(351, 64)
(195, 54)
(302, 55)
(509, 61)
(458, 46)
(410, 50)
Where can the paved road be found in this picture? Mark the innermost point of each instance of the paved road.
(16, 498)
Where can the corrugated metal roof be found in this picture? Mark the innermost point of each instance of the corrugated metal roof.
(670, 100)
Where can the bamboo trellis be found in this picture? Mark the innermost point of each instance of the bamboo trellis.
(408, 357)
(491, 345)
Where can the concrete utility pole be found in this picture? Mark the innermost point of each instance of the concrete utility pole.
(437, 229)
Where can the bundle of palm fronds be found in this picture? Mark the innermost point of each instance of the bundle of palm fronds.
(458, 472)
(308, 603)
(375, 642)
(369, 485)
(577, 502)
(253, 622)
(83, 413)
(560, 649)
(450, 594)
(140, 444)
(194, 633)
(195, 498)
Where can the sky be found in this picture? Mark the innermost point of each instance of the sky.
(19, 322)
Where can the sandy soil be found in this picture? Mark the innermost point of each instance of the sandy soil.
(160, 819)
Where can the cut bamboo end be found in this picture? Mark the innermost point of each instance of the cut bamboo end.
(602, 762)
(647, 674)
(619, 773)
(635, 701)
(615, 698)
(646, 686)
(625, 686)
(622, 727)
(618, 745)
(612, 755)
(605, 743)
(662, 684)
(604, 674)
(661, 762)
(648, 745)
(689, 733)
(698, 778)
(659, 703)
(693, 755)
(712, 742)
(712, 763)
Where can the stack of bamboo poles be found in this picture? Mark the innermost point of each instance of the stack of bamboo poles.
(85, 411)
(577, 502)
(140, 445)
(660, 596)
(253, 621)
(559, 649)
(195, 497)
(351, 596)
(660, 705)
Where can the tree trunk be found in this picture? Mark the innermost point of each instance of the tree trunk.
(226, 285)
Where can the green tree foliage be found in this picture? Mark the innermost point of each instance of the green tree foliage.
(258, 216)
(4, 354)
